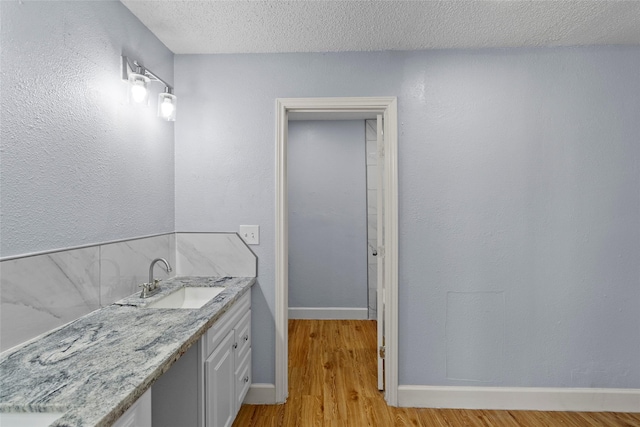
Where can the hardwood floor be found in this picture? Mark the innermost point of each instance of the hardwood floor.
(332, 382)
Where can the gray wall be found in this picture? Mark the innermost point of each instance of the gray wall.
(79, 165)
(519, 200)
(327, 214)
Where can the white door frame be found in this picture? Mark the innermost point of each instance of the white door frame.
(336, 108)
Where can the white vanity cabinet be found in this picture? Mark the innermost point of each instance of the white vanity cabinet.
(227, 366)
(138, 415)
(206, 386)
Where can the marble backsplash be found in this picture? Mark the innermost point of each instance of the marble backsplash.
(39, 293)
(42, 292)
(214, 254)
(125, 265)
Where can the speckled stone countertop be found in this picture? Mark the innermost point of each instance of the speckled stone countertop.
(94, 368)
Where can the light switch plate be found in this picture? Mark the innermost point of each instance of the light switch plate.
(250, 234)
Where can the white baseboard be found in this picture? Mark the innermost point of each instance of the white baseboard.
(520, 398)
(261, 394)
(329, 313)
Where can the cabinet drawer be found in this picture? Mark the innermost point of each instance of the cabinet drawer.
(224, 324)
(243, 379)
(243, 336)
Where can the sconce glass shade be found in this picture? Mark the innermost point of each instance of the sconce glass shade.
(167, 106)
(138, 89)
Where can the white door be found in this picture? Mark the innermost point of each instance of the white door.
(380, 257)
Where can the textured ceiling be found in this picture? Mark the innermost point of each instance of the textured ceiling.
(336, 26)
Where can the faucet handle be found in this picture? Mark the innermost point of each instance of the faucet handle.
(146, 287)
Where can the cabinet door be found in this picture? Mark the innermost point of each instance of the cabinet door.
(220, 385)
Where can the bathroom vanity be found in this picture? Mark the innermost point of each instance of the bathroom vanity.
(207, 385)
(104, 368)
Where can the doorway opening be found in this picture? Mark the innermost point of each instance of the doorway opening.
(327, 198)
(384, 111)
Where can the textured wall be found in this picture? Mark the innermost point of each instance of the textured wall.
(79, 165)
(327, 214)
(519, 182)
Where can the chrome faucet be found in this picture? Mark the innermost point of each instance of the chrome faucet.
(152, 287)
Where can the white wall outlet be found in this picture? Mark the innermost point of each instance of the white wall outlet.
(250, 234)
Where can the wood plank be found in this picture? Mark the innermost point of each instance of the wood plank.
(496, 418)
(405, 417)
(626, 419)
(431, 418)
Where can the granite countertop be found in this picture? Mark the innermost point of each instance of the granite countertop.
(94, 368)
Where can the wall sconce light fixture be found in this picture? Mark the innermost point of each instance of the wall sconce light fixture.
(167, 105)
(139, 78)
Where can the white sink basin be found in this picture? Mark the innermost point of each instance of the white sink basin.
(28, 419)
(187, 297)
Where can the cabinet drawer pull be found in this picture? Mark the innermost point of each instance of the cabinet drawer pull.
(246, 379)
(235, 345)
(246, 337)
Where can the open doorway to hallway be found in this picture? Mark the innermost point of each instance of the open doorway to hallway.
(384, 110)
(329, 236)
